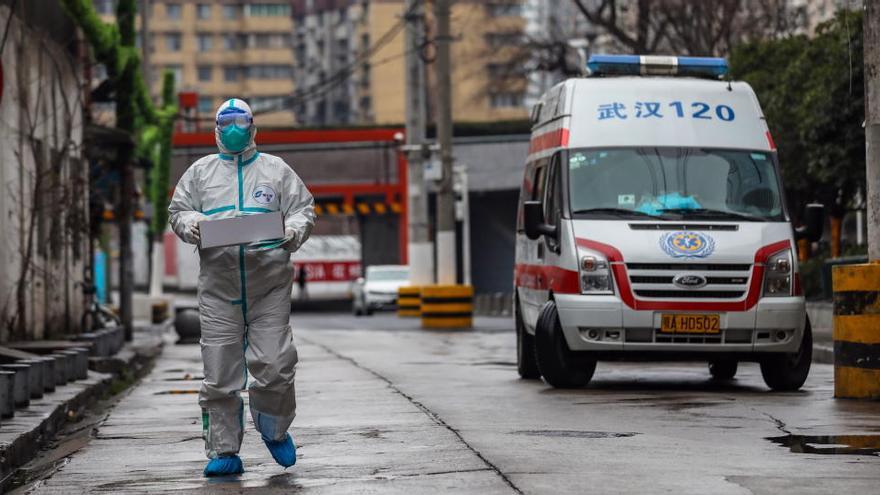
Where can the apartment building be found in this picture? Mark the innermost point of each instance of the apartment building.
(222, 49)
(350, 61)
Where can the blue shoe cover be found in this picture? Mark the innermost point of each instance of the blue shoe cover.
(221, 466)
(283, 451)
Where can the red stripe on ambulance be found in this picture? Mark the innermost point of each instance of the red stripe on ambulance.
(553, 139)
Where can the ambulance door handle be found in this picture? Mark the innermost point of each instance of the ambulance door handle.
(540, 250)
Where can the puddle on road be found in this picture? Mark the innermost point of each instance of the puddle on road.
(575, 433)
(830, 444)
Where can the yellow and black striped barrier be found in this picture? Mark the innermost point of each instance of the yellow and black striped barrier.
(409, 302)
(447, 306)
(857, 331)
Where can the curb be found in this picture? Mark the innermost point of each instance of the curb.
(54, 410)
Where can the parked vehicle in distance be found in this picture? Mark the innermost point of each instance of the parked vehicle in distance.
(652, 226)
(378, 288)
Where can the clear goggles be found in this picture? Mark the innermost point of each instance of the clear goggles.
(238, 119)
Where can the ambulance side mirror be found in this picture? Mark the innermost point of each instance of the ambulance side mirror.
(814, 223)
(533, 219)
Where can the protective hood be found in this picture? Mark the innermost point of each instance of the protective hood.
(251, 146)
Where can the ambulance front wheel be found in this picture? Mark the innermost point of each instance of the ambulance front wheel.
(788, 372)
(559, 366)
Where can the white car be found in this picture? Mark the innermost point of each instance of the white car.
(652, 225)
(378, 289)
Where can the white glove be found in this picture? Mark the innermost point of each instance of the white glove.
(285, 242)
(195, 232)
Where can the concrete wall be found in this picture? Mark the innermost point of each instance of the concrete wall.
(44, 198)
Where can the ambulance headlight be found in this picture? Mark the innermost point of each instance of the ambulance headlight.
(778, 275)
(595, 275)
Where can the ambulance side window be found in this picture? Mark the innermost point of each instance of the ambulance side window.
(552, 201)
(525, 194)
(538, 189)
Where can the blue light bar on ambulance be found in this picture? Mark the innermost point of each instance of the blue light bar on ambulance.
(656, 65)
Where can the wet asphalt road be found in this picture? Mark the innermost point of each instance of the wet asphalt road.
(387, 408)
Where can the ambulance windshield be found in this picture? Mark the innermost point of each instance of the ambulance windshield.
(674, 184)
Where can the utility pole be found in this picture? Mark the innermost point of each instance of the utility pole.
(446, 258)
(872, 126)
(420, 247)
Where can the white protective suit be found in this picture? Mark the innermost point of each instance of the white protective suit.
(244, 294)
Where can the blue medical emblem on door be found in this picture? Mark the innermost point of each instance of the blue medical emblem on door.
(264, 194)
(686, 244)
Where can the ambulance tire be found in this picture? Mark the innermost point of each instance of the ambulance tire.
(723, 369)
(788, 372)
(560, 367)
(526, 365)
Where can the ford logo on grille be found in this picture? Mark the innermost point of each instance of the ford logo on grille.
(688, 281)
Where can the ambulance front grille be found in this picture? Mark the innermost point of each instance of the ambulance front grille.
(724, 281)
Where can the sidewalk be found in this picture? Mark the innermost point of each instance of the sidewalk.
(355, 433)
(35, 426)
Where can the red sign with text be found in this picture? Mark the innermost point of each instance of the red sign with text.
(329, 271)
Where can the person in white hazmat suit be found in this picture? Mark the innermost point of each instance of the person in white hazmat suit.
(244, 291)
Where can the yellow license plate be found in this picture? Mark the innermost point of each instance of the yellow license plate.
(690, 323)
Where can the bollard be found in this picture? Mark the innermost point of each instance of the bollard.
(159, 312)
(36, 376)
(117, 339)
(409, 302)
(92, 338)
(48, 373)
(82, 362)
(22, 387)
(447, 306)
(105, 342)
(857, 331)
(61, 376)
(72, 364)
(187, 324)
(7, 394)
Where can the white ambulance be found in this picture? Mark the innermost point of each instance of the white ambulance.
(652, 226)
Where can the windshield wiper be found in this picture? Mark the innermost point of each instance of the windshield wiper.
(614, 211)
(710, 213)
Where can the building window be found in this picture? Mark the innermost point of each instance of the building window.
(261, 71)
(267, 103)
(232, 11)
(206, 104)
(105, 7)
(205, 42)
(504, 9)
(506, 100)
(173, 42)
(177, 70)
(268, 40)
(203, 11)
(267, 10)
(234, 41)
(172, 10)
(231, 73)
(205, 72)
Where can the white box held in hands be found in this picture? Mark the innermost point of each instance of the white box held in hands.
(241, 230)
